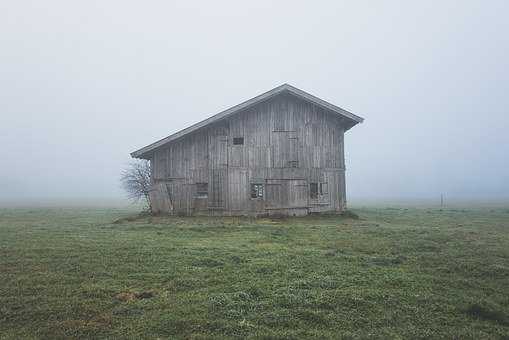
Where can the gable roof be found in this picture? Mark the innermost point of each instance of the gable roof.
(285, 88)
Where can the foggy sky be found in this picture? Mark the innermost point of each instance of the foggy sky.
(83, 84)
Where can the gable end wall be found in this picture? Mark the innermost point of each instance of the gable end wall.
(288, 143)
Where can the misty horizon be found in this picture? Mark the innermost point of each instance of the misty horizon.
(84, 85)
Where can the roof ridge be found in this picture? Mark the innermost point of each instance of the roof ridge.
(245, 104)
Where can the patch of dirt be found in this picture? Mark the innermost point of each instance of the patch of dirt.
(126, 296)
(486, 313)
(144, 295)
(131, 296)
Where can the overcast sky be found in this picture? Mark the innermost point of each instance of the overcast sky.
(84, 83)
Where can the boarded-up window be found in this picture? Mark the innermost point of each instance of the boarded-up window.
(202, 190)
(324, 188)
(256, 190)
(238, 140)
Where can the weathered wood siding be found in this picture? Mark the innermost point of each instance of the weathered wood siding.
(288, 144)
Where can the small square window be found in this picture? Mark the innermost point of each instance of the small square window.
(238, 140)
(202, 190)
(256, 190)
(293, 164)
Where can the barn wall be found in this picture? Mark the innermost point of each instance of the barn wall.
(288, 143)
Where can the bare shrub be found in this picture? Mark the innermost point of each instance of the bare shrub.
(135, 180)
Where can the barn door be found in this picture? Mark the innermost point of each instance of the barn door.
(159, 198)
(178, 196)
(284, 149)
(298, 193)
(286, 194)
(218, 189)
(218, 151)
(218, 169)
(273, 194)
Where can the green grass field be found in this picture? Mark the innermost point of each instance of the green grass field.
(392, 273)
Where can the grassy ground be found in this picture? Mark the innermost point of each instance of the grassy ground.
(393, 273)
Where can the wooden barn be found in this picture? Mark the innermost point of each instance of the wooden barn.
(280, 153)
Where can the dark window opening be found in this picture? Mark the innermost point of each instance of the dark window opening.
(313, 190)
(238, 140)
(293, 164)
(202, 190)
(317, 189)
(256, 190)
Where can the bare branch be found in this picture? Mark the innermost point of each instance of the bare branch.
(135, 180)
